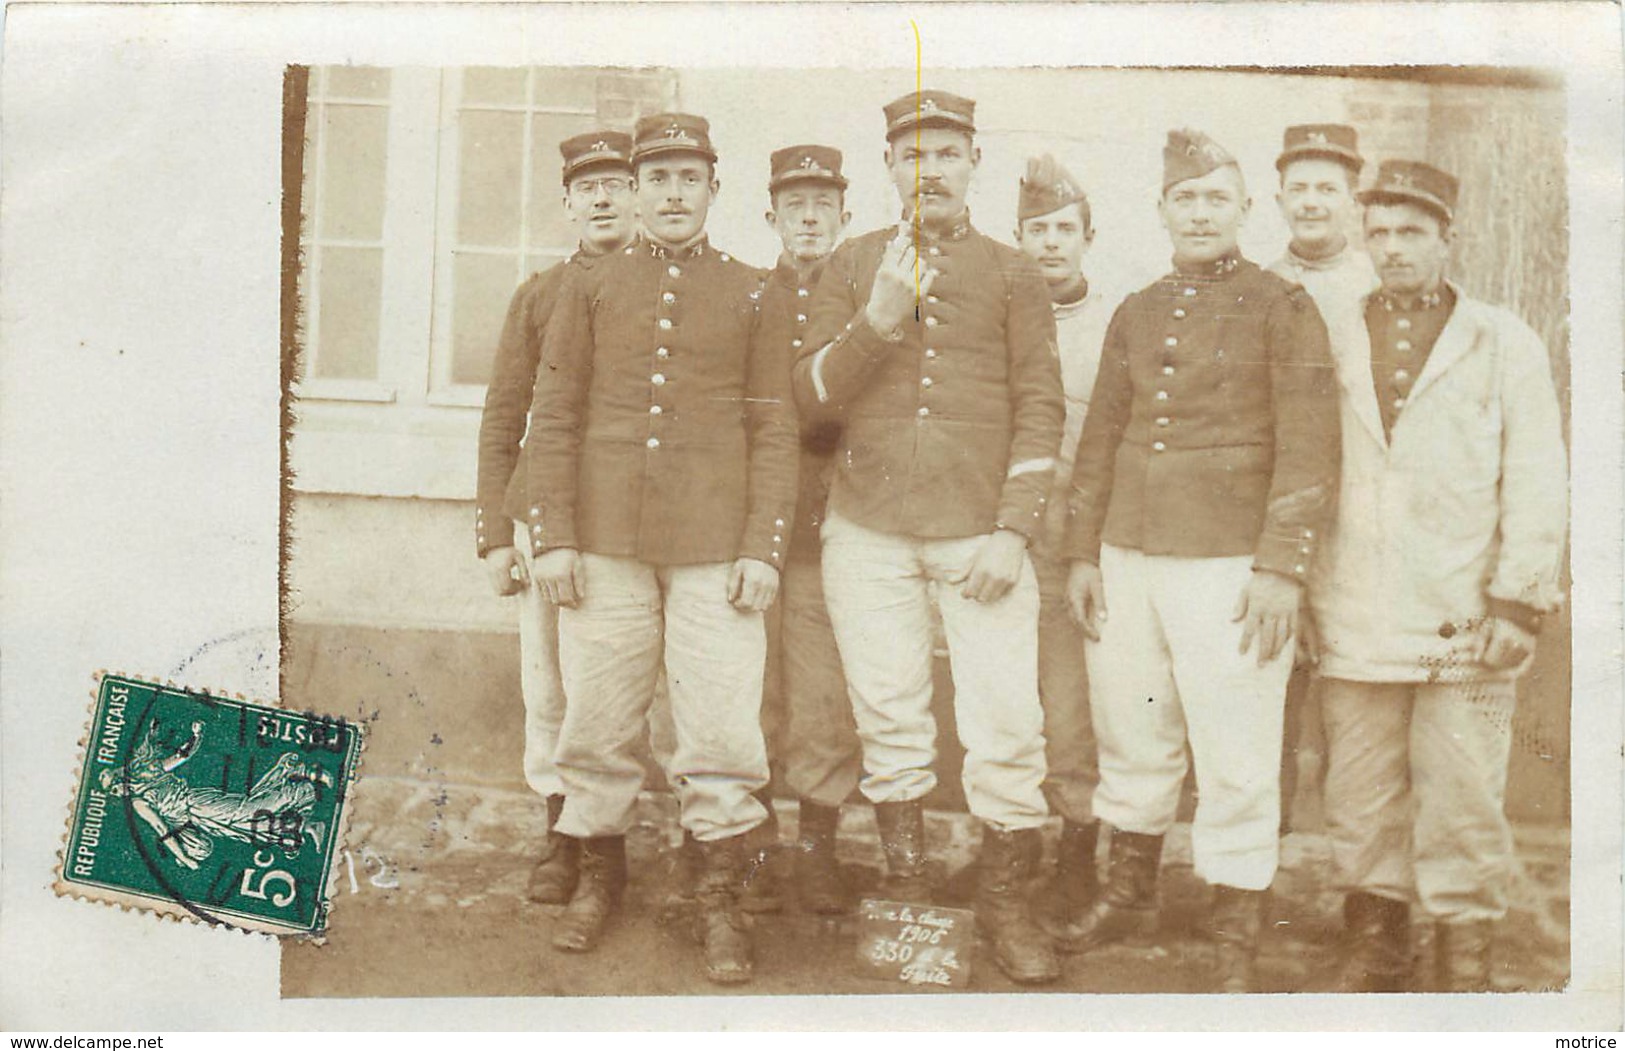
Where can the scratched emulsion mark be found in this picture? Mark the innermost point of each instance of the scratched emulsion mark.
(208, 807)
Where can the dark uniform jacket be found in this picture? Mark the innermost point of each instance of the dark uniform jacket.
(952, 430)
(663, 426)
(1213, 428)
(501, 491)
(786, 300)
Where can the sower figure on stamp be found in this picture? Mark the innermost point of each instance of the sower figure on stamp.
(1206, 468)
(819, 751)
(507, 519)
(1445, 556)
(666, 465)
(934, 346)
(1054, 229)
(1320, 167)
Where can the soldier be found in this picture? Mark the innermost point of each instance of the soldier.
(1053, 228)
(819, 753)
(597, 197)
(1320, 167)
(1203, 474)
(934, 345)
(1444, 559)
(666, 466)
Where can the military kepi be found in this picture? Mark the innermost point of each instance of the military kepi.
(1046, 187)
(1416, 182)
(608, 148)
(930, 109)
(1190, 155)
(672, 133)
(806, 163)
(1336, 142)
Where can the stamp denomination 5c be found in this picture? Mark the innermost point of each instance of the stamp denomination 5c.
(208, 807)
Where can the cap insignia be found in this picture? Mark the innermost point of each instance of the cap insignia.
(1318, 137)
(674, 132)
(1399, 178)
(929, 105)
(809, 162)
(598, 146)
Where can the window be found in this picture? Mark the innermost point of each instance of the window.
(341, 284)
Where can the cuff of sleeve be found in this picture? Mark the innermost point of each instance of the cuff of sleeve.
(482, 536)
(1290, 556)
(768, 543)
(1525, 616)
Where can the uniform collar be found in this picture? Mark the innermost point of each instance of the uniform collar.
(692, 250)
(1332, 262)
(1442, 296)
(787, 271)
(957, 230)
(1074, 296)
(1216, 270)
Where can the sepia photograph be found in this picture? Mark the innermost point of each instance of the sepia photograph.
(534, 517)
(737, 469)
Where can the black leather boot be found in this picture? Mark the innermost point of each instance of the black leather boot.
(902, 837)
(1378, 950)
(601, 882)
(1022, 951)
(1238, 921)
(719, 923)
(764, 890)
(1128, 905)
(1461, 956)
(818, 873)
(1070, 892)
(553, 879)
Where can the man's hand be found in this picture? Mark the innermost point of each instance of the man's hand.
(1506, 645)
(562, 576)
(1086, 597)
(752, 585)
(1269, 604)
(995, 568)
(506, 570)
(895, 295)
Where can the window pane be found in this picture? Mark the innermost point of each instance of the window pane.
(484, 285)
(488, 84)
(358, 82)
(549, 226)
(565, 88)
(309, 194)
(347, 331)
(352, 196)
(488, 198)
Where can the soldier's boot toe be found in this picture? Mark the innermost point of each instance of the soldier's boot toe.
(819, 885)
(1065, 898)
(597, 897)
(553, 880)
(1023, 952)
(1238, 923)
(1127, 906)
(902, 839)
(1377, 947)
(1462, 956)
(720, 925)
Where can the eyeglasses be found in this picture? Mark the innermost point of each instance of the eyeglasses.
(589, 187)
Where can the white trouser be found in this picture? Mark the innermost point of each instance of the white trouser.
(1167, 671)
(1416, 792)
(540, 684)
(634, 618)
(878, 587)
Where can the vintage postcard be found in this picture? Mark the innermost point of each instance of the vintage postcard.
(819, 516)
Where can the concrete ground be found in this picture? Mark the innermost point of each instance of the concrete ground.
(428, 901)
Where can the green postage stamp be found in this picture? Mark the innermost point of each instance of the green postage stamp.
(208, 807)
